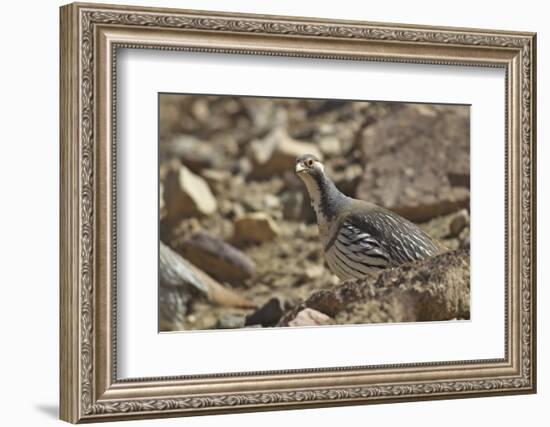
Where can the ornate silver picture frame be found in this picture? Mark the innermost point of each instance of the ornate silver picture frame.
(91, 36)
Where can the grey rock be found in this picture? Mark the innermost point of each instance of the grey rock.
(174, 304)
(293, 202)
(192, 152)
(465, 238)
(230, 321)
(178, 287)
(348, 180)
(162, 205)
(176, 271)
(217, 258)
(264, 115)
(296, 205)
(459, 221)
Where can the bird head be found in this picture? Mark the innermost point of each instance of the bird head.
(325, 198)
(307, 165)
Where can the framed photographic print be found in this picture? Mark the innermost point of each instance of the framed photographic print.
(266, 212)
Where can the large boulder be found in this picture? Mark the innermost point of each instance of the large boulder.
(417, 161)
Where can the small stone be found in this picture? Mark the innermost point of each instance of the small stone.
(314, 272)
(257, 227)
(459, 221)
(310, 317)
(314, 255)
(252, 202)
(215, 176)
(200, 110)
(244, 166)
(348, 180)
(327, 128)
(330, 146)
(411, 192)
(237, 211)
(292, 202)
(425, 110)
(263, 114)
(174, 303)
(409, 172)
(465, 238)
(276, 154)
(230, 321)
(334, 280)
(187, 226)
(162, 205)
(194, 153)
(268, 314)
(187, 194)
(271, 201)
(230, 209)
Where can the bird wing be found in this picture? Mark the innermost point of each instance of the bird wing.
(396, 239)
(358, 247)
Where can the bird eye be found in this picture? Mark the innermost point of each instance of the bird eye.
(309, 163)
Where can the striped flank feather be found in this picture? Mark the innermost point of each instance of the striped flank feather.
(380, 242)
(354, 254)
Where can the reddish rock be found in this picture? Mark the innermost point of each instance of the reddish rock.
(310, 317)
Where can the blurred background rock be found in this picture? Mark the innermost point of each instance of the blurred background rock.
(236, 221)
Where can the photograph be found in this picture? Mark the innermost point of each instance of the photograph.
(289, 212)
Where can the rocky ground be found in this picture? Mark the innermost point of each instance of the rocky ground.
(239, 241)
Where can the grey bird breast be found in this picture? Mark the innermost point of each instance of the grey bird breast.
(375, 240)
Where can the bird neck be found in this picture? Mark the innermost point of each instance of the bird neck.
(326, 199)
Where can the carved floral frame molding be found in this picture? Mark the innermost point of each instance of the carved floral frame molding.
(90, 36)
